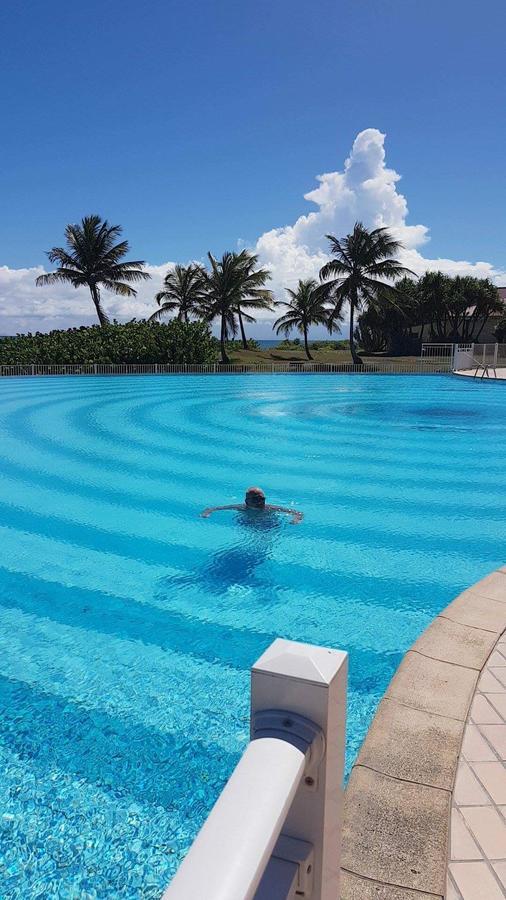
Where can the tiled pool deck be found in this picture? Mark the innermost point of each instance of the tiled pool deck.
(499, 373)
(433, 762)
(478, 815)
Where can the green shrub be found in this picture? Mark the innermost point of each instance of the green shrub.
(289, 345)
(329, 345)
(134, 342)
(237, 345)
(296, 344)
(500, 331)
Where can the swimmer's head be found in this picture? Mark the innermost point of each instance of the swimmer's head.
(255, 498)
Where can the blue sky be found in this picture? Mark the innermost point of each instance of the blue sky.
(198, 124)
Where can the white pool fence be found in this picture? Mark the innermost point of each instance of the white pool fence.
(275, 830)
(482, 359)
(435, 359)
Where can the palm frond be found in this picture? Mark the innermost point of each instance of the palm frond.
(119, 288)
(95, 257)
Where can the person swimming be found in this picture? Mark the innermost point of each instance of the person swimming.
(254, 501)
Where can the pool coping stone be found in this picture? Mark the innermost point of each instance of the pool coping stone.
(398, 798)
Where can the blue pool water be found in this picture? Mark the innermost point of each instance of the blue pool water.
(128, 624)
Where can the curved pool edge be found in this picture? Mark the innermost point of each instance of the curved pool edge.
(398, 798)
(500, 374)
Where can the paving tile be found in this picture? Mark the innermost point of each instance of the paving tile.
(489, 684)
(413, 745)
(433, 686)
(451, 893)
(500, 871)
(488, 828)
(353, 887)
(499, 673)
(462, 845)
(475, 747)
(468, 790)
(477, 611)
(459, 644)
(499, 702)
(395, 831)
(493, 586)
(493, 776)
(482, 713)
(496, 658)
(496, 736)
(475, 881)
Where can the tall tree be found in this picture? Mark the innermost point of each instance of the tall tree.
(254, 295)
(361, 273)
(433, 291)
(471, 302)
(184, 291)
(234, 283)
(93, 258)
(306, 307)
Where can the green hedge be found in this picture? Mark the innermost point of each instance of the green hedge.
(237, 345)
(296, 344)
(134, 342)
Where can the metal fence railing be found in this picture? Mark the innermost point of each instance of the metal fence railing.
(437, 352)
(420, 366)
(483, 360)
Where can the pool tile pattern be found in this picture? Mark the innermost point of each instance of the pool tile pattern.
(477, 866)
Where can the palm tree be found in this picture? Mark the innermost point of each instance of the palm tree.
(93, 258)
(362, 260)
(307, 307)
(234, 284)
(255, 296)
(184, 289)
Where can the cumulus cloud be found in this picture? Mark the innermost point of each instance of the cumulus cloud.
(365, 190)
(26, 307)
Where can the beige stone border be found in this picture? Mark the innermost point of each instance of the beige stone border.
(398, 798)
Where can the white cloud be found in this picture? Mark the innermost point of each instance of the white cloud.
(26, 307)
(366, 190)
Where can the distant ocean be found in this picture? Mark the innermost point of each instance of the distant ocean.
(266, 344)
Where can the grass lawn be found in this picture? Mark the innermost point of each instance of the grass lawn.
(272, 355)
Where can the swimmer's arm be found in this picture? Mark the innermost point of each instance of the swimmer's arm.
(294, 513)
(210, 509)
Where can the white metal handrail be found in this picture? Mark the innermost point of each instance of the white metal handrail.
(274, 832)
(251, 812)
(485, 367)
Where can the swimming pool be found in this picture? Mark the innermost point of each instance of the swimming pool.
(128, 624)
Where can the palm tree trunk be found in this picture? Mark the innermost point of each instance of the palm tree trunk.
(95, 295)
(306, 345)
(241, 325)
(223, 333)
(357, 360)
